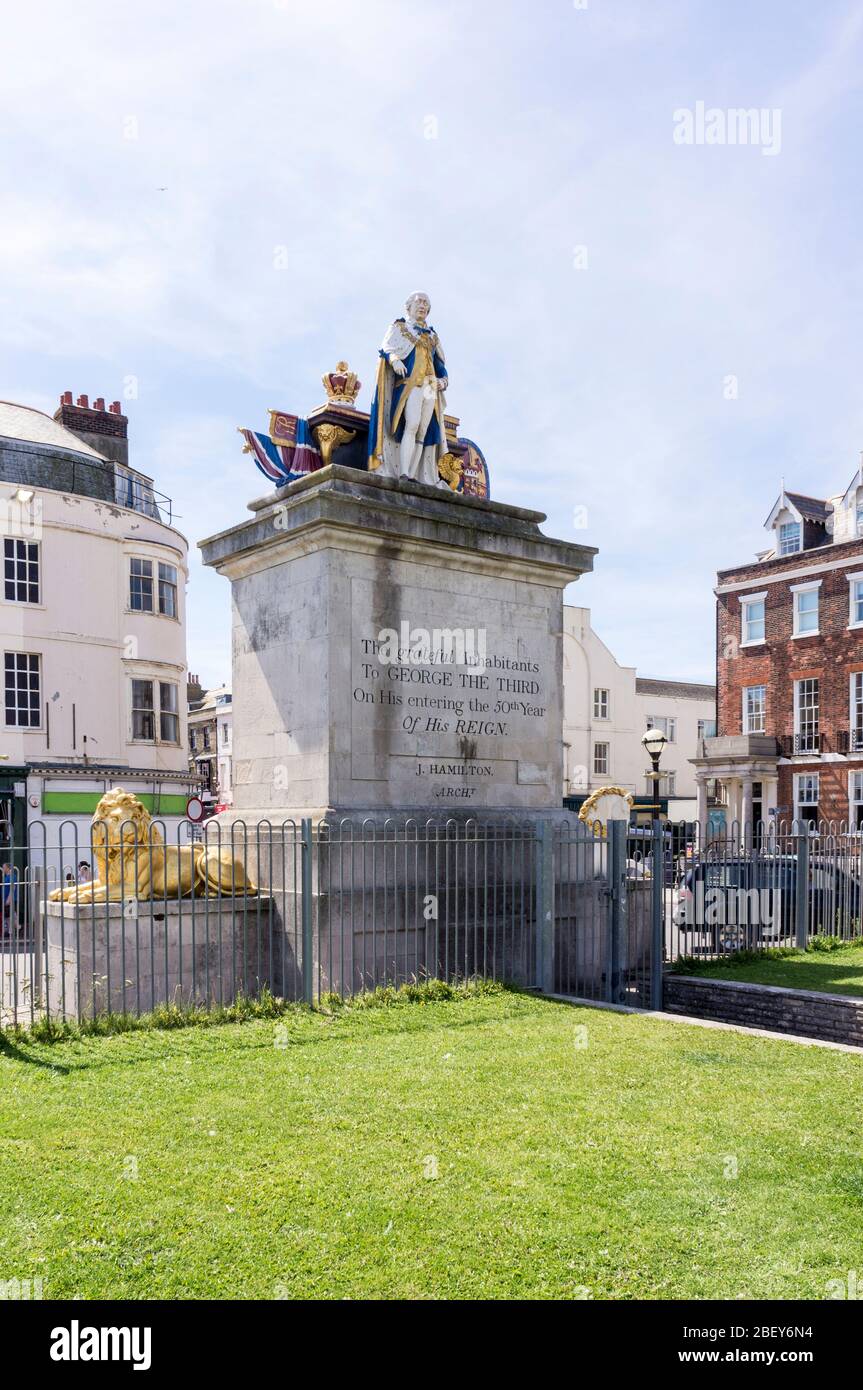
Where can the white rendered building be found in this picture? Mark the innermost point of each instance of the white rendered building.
(92, 625)
(211, 743)
(225, 746)
(607, 709)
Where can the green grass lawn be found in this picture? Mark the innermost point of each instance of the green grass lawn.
(835, 972)
(463, 1150)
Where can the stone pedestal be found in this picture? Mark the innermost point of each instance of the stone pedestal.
(327, 721)
(129, 957)
(397, 658)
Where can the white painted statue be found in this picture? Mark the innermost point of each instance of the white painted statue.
(407, 435)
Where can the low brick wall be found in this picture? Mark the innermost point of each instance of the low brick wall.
(833, 1017)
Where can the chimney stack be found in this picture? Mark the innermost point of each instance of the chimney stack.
(104, 430)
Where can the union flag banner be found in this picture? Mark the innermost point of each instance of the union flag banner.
(288, 452)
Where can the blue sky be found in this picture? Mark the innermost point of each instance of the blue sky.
(221, 200)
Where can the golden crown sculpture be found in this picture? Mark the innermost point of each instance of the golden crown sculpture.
(342, 386)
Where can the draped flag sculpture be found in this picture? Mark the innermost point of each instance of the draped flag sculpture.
(287, 452)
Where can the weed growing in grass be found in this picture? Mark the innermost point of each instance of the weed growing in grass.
(180, 1014)
(416, 992)
(176, 1014)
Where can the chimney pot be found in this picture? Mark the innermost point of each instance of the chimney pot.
(99, 403)
(66, 398)
(84, 401)
(114, 408)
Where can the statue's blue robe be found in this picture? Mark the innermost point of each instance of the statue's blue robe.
(433, 433)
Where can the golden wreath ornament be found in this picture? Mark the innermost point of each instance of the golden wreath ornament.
(590, 803)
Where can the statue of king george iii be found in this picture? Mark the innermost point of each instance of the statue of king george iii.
(406, 429)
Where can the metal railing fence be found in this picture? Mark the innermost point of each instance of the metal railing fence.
(767, 884)
(307, 909)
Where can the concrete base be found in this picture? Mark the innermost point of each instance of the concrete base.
(104, 959)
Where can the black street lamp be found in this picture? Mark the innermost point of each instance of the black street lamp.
(654, 741)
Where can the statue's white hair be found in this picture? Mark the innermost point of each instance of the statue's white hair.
(417, 294)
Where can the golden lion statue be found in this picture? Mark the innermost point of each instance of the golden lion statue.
(134, 862)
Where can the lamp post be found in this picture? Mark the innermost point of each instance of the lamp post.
(654, 741)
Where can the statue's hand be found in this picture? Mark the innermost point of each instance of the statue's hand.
(442, 383)
(398, 366)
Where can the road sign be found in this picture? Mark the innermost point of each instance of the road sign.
(194, 809)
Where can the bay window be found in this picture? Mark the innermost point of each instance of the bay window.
(152, 590)
(144, 709)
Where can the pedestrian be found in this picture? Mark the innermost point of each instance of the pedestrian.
(7, 897)
(85, 873)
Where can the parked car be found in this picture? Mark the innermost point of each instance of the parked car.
(753, 901)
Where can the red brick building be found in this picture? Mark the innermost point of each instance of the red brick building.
(789, 665)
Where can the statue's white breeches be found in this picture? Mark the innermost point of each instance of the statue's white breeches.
(416, 462)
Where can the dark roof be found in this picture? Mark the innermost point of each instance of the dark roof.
(812, 508)
(687, 690)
